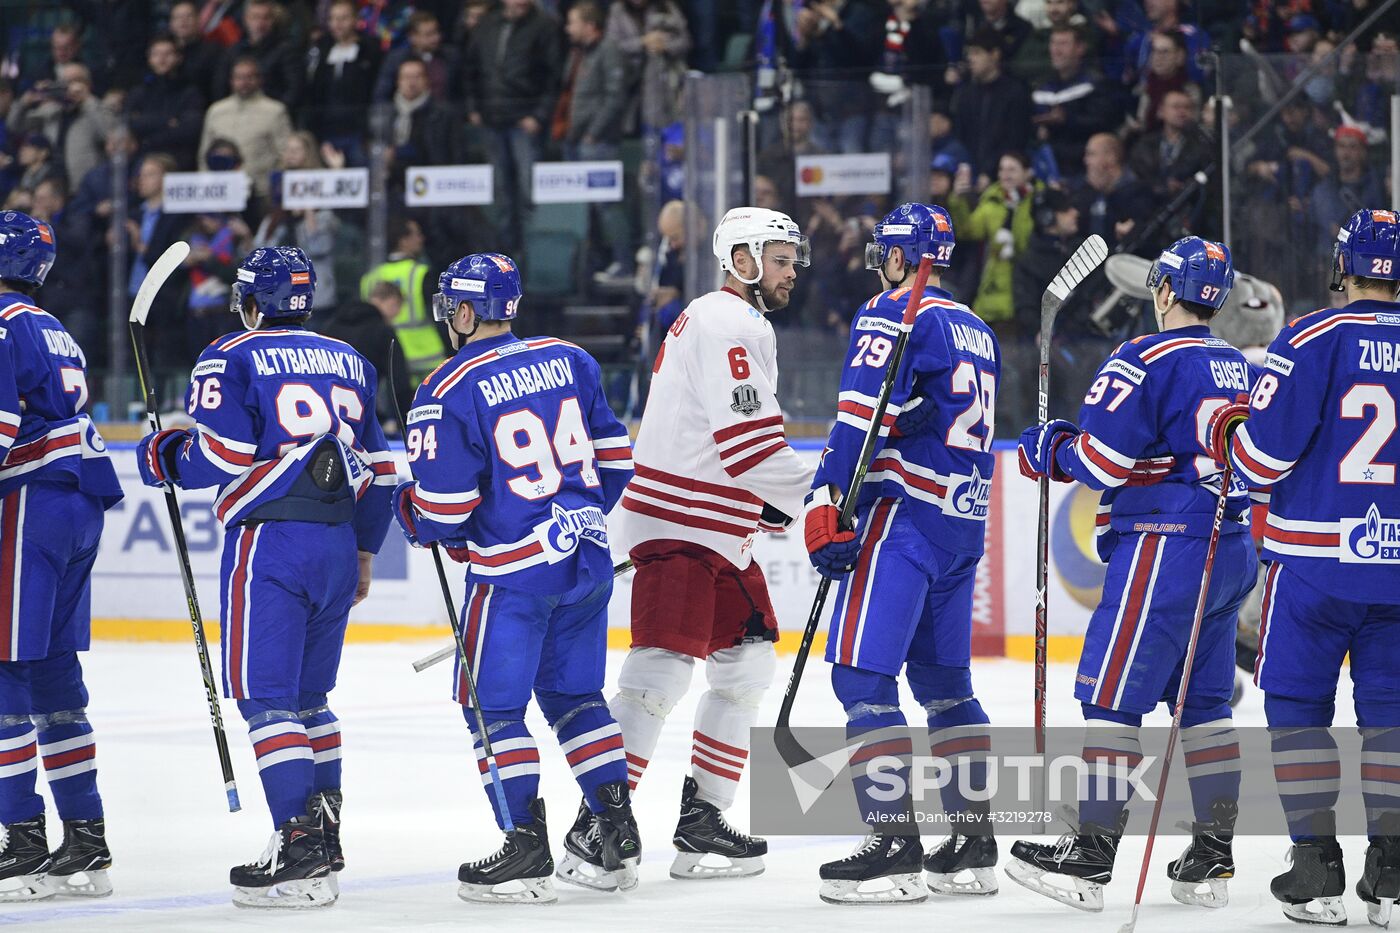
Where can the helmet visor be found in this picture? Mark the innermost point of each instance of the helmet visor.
(235, 298)
(1154, 275)
(444, 307)
(874, 256)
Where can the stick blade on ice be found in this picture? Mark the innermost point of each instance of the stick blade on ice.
(1090, 255)
(160, 270)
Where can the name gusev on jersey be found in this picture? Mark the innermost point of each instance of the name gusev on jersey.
(712, 448)
(255, 463)
(518, 457)
(46, 435)
(952, 361)
(1322, 439)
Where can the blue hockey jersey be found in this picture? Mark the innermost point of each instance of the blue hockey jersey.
(944, 471)
(1322, 437)
(45, 436)
(1153, 398)
(266, 401)
(517, 456)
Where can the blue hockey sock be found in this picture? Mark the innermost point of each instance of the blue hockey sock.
(70, 763)
(1380, 780)
(19, 765)
(1111, 751)
(886, 753)
(590, 739)
(323, 732)
(283, 752)
(1212, 752)
(517, 762)
(1307, 767)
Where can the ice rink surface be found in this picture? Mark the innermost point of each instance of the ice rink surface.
(414, 810)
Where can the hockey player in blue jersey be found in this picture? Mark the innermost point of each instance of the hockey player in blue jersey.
(1321, 439)
(1142, 439)
(285, 428)
(517, 459)
(56, 481)
(907, 572)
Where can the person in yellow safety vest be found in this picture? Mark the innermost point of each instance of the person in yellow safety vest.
(417, 333)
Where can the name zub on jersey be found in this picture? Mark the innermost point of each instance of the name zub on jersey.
(1379, 356)
(1374, 539)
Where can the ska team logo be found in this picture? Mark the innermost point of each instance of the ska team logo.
(1371, 540)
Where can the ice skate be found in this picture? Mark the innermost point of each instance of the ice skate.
(620, 844)
(1083, 859)
(882, 870)
(1311, 890)
(81, 862)
(293, 873)
(703, 832)
(1379, 886)
(1207, 861)
(582, 864)
(324, 809)
(963, 865)
(517, 873)
(24, 861)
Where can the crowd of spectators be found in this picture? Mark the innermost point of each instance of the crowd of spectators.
(1047, 120)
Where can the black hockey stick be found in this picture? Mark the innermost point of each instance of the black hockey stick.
(1088, 257)
(789, 748)
(496, 783)
(1225, 479)
(161, 270)
(442, 654)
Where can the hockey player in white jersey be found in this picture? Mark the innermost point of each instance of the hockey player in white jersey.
(713, 467)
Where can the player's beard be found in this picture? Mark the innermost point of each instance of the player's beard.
(775, 299)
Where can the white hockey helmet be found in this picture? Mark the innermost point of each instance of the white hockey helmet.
(753, 227)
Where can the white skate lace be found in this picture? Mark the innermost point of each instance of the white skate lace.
(870, 842)
(724, 824)
(1064, 847)
(269, 855)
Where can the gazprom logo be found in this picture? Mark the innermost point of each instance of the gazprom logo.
(1372, 540)
(570, 526)
(970, 497)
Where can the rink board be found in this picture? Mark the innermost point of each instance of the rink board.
(137, 593)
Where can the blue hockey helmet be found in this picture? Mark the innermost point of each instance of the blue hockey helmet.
(490, 281)
(27, 248)
(918, 229)
(1369, 245)
(1198, 271)
(280, 280)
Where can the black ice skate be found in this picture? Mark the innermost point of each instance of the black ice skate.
(1084, 859)
(963, 865)
(582, 863)
(24, 861)
(882, 870)
(292, 873)
(324, 809)
(1311, 890)
(1379, 886)
(620, 842)
(518, 872)
(80, 864)
(1207, 861)
(703, 831)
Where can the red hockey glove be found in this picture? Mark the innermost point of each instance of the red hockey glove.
(1222, 426)
(1150, 471)
(458, 552)
(831, 549)
(157, 456)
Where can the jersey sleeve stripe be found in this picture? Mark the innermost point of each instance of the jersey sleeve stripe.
(748, 463)
(1154, 353)
(1257, 466)
(448, 508)
(1094, 455)
(662, 499)
(907, 477)
(230, 456)
(688, 485)
(863, 413)
(633, 504)
(621, 440)
(1327, 324)
(745, 427)
(748, 442)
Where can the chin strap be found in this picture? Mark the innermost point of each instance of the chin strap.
(457, 344)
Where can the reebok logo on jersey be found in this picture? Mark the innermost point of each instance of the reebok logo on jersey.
(1391, 319)
(1126, 370)
(1371, 540)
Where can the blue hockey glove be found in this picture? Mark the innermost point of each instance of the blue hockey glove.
(916, 413)
(404, 512)
(1038, 446)
(157, 456)
(831, 549)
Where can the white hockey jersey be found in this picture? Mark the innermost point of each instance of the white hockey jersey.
(711, 449)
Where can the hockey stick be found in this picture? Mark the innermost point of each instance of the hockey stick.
(442, 654)
(1088, 257)
(156, 276)
(791, 750)
(497, 784)
(1225, 478)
